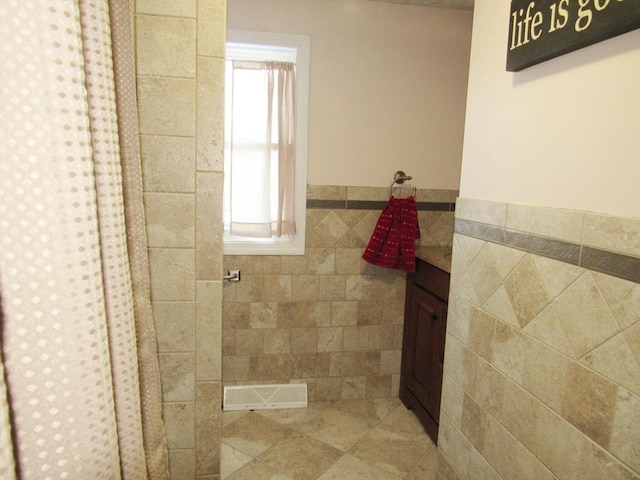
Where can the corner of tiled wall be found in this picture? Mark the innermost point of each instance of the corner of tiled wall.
(326, 318)
(180, 75)
(542, 362)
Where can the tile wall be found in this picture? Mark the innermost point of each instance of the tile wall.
(542, 375)
(326, 318)
(180, 74)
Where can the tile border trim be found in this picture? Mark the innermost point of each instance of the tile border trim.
(376, 205)
(618, 265)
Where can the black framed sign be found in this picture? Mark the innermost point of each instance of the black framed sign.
(543, 29)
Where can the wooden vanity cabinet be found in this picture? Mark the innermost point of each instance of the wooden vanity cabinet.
(425, 324)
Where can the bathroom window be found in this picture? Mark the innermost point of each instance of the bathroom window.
(266, 98)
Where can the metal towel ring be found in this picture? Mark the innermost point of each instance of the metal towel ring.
(400, 177)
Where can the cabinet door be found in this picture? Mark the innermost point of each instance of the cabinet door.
(424, 371)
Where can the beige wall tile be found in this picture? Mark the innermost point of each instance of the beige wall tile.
(390, 362)
(330, 339)
(329, 230)
(481, 333)
(331, 287)
(166, 106)
(168, 163)
(484, 274)
(208, 417)
(175, 326)
(461, 364)
(277, 340)
(210, 123)
(177, 8)
(548, 222)
(263, 315)
(208, 331)
(483, 211)
(293, 265)
(353, 388)
(235, 368)
(367, 193)
(355, 338)
(597, 463)
(212, 28)
(177, 372)
(509, 457)
(526, 302)
(170, 220)
(326, 192)
(277, 288)
(622, 298)
(452, 401)
(344, 364)
(315, 364)
(303, 340)
(172, 274)
(509, 351)
(589, 403)
(611, 233)
(344, 313)
(545, 373)
(304, 288)
(584, 315)
(328, 389)
(454, 446)
(208, 221)
(348, 260)
(179, 419)
(473, 422)
(378, 386)
(250, 289)
(249, 342)
(182, 463)
(625, 434)
(321, 261)
(615, 360)
(166, 46)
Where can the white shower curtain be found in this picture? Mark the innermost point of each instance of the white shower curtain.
(79, 383)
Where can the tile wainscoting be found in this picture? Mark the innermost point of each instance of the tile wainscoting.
(326, 318)
(542, 376)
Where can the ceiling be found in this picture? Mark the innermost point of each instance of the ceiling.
(459, 4)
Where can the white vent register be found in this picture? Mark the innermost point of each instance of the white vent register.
(261, 397)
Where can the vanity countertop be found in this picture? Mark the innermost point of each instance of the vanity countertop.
(437, 256)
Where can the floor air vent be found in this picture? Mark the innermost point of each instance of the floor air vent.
(258, 397)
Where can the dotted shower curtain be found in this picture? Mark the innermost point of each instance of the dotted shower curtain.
(79, 382)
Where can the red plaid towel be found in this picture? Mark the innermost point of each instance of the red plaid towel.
(393, 242)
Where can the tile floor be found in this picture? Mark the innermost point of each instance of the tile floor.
(375, 439)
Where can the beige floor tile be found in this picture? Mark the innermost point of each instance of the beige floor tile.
(370, 439)
(427, 467)
(300, 457)
(390, 451)
(373, 411)
(404, 422)
(258, 471)
(232, 459)
(352, 468)
(293, 417)
(338, 429)
(252, 434)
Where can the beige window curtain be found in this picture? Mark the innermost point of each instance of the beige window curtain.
(262, 165)
(79, 390)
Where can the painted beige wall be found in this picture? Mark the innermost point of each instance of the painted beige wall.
(563, 133)
(388, 86)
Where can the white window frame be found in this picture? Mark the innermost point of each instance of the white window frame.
(290, 245)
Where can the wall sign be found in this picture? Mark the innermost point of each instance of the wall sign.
(543, 29)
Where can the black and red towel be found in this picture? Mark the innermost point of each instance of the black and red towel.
(393, 241)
